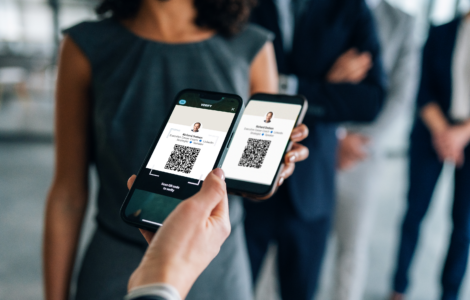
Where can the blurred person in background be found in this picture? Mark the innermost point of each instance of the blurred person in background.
(441, 133)
(362, 151)
(117, 80)
(328, 51)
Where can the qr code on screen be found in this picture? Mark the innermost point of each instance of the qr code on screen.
(182, 159)
(254, 153)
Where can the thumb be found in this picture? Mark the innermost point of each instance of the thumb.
(213, 192)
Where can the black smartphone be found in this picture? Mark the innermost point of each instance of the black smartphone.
(192, 143)
(256, 152)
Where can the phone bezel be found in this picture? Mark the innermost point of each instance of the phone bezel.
(221, 154)
(262, 191)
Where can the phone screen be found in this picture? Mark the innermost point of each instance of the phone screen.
(183, 156)
(260, 141)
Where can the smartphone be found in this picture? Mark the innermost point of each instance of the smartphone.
(190, 145)
(256, 152)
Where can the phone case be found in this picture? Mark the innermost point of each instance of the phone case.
(257, 197)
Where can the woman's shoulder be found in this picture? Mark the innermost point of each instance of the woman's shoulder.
(250, 40)
(255, 32)
(93, 30)
(94, 37)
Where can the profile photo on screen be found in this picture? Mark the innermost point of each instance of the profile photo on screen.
(196, 127)
(269, 116)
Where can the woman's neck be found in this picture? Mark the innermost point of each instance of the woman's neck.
(168, 21)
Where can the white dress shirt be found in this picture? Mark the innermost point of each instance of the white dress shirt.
(373, 3)
(460, 103)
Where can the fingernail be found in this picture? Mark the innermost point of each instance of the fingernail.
(281, 180)
(219, 173)
(296, 135)
(292, 158)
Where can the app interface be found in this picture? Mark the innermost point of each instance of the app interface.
(260, 140)
(191, 142)
(182, 158)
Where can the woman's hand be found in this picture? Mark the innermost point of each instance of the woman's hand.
(450, 144)
(189, 239)
(352, 150)
(351, 67)
(297, 153)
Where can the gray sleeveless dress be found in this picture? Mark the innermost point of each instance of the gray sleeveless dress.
(134, 82)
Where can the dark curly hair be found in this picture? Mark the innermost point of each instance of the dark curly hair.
(227, 17)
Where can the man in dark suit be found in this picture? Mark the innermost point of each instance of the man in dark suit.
(441, 133)
(327, 50)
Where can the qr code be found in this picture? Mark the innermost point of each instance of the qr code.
(182, 159)
(254, 153)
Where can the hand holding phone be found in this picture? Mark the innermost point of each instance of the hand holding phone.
(189, 241)
(255, 162)
(200, 135)
(191, 144)
(297, 152)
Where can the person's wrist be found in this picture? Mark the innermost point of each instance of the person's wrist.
(332, 77)
(465, 130)
(438, 130)
(167, 273)
(462, 135)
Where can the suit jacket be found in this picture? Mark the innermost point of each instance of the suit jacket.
(436, 75)
(327, 29)
(400, 56)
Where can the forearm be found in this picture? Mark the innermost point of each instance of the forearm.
(68, 196)
(64, 216)
(434, 118)
(465, 126)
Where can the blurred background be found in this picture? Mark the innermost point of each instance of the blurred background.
(29, 38)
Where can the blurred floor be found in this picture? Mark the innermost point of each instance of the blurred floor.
(25, 175)
(27, 116)
(26, 170)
